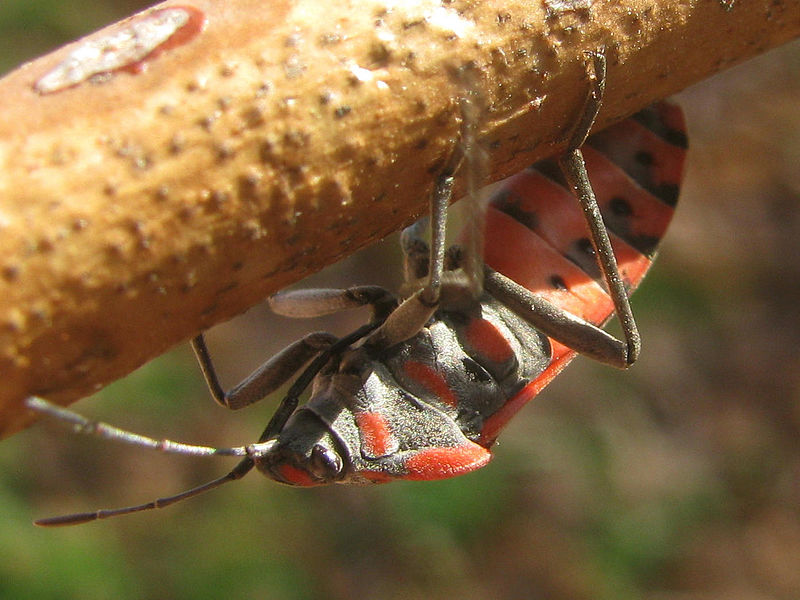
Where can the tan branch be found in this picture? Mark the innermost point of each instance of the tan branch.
(147, 199)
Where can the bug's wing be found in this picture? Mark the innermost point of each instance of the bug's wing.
(536, 233)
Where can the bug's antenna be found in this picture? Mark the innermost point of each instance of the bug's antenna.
(81, 424)
(237, 472)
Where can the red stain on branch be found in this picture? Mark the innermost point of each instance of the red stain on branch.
(128, 48)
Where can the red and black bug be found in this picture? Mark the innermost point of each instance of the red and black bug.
(422, 391)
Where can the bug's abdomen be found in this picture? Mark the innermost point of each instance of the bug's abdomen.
(536, 233)
(468, 363)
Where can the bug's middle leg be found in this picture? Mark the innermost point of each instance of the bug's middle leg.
(412, 314)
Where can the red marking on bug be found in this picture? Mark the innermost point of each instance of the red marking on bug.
(431, 380)
(442, 463)
(495, 424)
(127, 47)
(376, 436)
(580, 291)
(486, 339)
(647, 217)
(291, 474)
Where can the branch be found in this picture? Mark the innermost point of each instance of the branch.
(169, 184)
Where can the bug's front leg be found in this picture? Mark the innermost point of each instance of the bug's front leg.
(266, 378)
(280, 368)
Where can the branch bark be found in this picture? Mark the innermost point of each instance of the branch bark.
(147, 198)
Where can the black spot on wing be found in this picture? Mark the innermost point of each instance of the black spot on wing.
(618, 217)
(650, 118)
(644, 159)
(581, 253)
(620, 207)
(558, 283)
(550, 169)
(668, 193)
(510, 203)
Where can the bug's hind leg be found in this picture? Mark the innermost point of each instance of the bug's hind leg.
(555, 322)
(574, 169)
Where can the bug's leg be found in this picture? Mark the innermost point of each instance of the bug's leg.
(439, 203)
(292, 398)
(266, 378)
(416, 253)
(305, 303)
(278, 369)
(557, 323)
(469, 256)
(574, 169)
(422, 261)
(412, 314)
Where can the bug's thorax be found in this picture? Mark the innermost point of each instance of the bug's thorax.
(372, 412)
(460, 289)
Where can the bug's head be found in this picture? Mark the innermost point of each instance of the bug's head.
(304, 454)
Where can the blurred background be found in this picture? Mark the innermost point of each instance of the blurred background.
(678, 480)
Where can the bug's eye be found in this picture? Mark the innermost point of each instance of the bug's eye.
(302, 468)
(324, 463)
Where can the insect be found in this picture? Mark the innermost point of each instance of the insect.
(422, 390)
